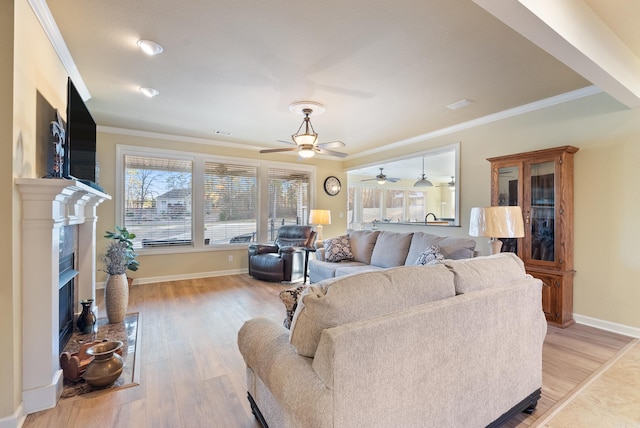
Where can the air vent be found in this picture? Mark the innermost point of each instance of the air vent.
(459, 104)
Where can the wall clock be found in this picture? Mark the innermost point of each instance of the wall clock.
(332, 185)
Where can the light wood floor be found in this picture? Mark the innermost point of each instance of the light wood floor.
(192, 374)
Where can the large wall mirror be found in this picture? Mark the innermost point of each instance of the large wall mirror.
(421, 189)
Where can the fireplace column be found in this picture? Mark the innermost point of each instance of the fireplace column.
(47, 205)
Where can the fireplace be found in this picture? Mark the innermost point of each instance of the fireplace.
(58, 263)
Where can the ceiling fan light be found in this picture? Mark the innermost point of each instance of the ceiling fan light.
(382, 181)
(303, 139)
(306, 153)
(149, 47)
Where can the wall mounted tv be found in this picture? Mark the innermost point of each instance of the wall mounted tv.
(80, 155)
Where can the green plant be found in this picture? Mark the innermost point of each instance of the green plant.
(124, 237)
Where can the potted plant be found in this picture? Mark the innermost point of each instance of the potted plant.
(116, 288)
(123, 236)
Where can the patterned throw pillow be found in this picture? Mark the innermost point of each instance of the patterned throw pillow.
(430, 256)
(290, 299)
(338, 249)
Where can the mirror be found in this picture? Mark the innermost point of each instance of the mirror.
(390, 194)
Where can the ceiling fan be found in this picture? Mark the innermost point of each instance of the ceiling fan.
(451, 184)
(306, 143)
(381, 178)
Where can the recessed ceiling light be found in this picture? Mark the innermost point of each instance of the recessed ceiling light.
(459, 104)
(149, 47)
(149, 92)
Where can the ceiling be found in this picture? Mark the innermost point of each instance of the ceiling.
(385, 71)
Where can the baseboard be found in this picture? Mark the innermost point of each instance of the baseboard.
(14, 421)
(607, 325)
(152, 279)
(43, 397)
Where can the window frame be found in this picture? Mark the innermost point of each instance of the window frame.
(198, 160)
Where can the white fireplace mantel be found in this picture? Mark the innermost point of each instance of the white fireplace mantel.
(48, 205)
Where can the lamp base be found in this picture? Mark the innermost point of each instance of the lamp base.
(495, 245)
(319, 240)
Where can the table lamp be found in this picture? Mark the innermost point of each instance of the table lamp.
(319, 217)
(496, 222)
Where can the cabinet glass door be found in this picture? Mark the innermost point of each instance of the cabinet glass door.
(542, 212)
(508, 196)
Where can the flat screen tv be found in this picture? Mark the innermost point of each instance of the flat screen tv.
(80, 155)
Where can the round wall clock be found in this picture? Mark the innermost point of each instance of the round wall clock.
(332, 185)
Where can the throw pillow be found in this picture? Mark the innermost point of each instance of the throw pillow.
(430, 256)
(290, 299)
(337, 249)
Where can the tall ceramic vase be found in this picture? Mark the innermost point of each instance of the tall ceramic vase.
(116, 297)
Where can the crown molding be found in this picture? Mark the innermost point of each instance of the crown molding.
(43, 13)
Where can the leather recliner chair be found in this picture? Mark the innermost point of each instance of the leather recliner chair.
(283, 260)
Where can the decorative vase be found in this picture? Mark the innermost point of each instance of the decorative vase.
(86, 319)
(116, 297)
(106, 366)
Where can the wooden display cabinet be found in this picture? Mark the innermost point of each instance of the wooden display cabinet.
(541, 182)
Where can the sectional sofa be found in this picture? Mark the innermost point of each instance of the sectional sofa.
(375, 250)
(456, 344)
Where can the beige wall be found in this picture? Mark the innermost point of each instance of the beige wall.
(34, 68)
(209, 260)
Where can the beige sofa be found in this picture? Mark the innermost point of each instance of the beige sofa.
(457, 344)
(375, 250)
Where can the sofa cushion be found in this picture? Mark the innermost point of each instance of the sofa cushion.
(484, 272)
(450, 247)
(320, 270)
(342, 300)
(391, 249)
(453, 248)
(362, 243)
(338, 249)
(351, 270)
(430, 256)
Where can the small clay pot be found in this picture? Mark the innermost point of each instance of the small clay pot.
(106, 366)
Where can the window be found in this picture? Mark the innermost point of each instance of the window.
(371, 204)
(288, 198)
(394, 204)
(230, 203)
(175, 202)
(158, 200)
(416, 205)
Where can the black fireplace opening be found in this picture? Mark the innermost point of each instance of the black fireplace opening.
(66, 296)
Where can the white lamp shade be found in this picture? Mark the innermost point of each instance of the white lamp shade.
(305, 139)
(497, 222)
(320, 217)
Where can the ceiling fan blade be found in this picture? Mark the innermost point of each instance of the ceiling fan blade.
(329, 152)
(331, 145)
(369, 179)
(292, 149)
(393, 180)
(287, 142)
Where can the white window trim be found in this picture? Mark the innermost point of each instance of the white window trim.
(197, 216)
